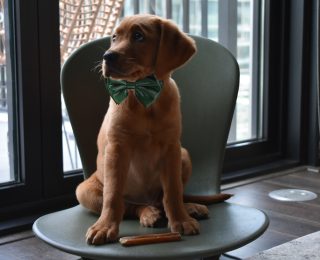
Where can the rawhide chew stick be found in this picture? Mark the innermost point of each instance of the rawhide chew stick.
(150, 239)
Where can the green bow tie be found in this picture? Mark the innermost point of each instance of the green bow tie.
(146, 90)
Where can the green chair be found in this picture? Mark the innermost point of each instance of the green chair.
(209, 86)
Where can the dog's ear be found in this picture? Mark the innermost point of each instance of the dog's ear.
(175, 48)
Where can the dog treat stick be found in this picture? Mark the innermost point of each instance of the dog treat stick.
(150, 239)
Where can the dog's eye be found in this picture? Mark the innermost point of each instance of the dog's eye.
(114, 37)
(137, 36)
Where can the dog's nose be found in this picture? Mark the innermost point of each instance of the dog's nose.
(110, 56)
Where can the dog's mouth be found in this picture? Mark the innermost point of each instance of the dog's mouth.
(131, 74)
(113, 72)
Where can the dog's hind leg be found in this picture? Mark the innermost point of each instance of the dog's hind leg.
(89, 194)
(194, 210)
(186, 164)
(148, 215)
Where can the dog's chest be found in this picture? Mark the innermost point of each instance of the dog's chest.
(143, 180)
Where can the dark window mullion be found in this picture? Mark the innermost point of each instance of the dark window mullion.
(257, 67)
(314, 97)
(228, 25)
(168, 9)
(152, 6)
(227, 35)
(204, 18)
(55, 182)
(27, 85)
(186, 13)
(136, 6)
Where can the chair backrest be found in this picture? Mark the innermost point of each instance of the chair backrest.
(208, 85)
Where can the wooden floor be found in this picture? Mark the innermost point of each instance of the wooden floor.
(288, 220)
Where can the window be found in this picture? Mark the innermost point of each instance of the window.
(244, 27)
(236, 24)
(196, 17)
(204, 19)
(31, 172)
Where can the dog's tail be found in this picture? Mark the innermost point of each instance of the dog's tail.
(206, 199)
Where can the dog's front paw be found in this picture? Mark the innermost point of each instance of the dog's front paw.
(101, 233)
(188, 226)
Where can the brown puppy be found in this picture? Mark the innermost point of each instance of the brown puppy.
(141, 166)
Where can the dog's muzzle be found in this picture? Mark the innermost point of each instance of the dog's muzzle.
(110, 57)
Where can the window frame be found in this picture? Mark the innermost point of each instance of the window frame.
(249, 155)
(291, 119)
(42, 186)
(54, 184)
(26, 106)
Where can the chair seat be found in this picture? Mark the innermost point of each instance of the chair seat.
(229, 227)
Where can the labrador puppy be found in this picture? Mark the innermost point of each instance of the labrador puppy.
(141, 166)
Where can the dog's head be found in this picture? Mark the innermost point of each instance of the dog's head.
(146, 44)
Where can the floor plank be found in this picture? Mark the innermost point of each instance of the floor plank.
(256, 195)
(296, 182)
(268, 240)
(292, 226)
(32, 249)
(14, 237)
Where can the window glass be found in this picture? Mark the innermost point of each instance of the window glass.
(195, 18)
(7, 173)
(177, 12)
(245, 101)
(213, 17)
